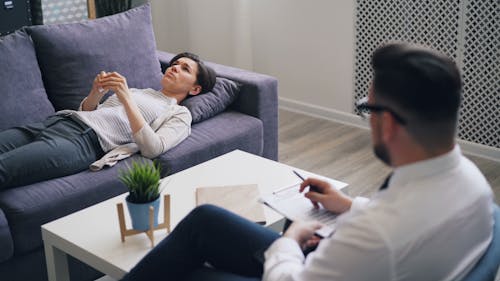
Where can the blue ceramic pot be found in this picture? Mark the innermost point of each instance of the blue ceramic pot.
(139, 214)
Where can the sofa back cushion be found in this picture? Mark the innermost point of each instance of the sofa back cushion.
(71, 55)
(22, 95)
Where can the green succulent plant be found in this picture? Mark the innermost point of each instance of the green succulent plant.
(143, 181)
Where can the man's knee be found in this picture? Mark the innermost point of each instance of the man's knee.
(200, 217)
(206, 211)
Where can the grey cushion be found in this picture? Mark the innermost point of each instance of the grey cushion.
(223, 133)
(71, 55)
(22, 95)
(209, 104)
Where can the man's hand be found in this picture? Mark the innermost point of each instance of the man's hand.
(326, 195)
(303, 233)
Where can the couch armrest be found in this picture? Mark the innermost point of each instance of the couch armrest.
(258, 97)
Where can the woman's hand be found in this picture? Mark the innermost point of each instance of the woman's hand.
(96, 85)
(325, 194)
(96, 93)
(115, 82)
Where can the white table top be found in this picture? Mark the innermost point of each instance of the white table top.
(93, 234)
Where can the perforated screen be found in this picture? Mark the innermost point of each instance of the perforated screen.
(59, 11)
(467, 31)
(480, 113)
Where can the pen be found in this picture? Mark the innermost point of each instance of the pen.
(311, 187)
(284, 188)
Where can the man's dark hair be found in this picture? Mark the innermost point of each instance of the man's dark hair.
(205, 76)
(421, 85)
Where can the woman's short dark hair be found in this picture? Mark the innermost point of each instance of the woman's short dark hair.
(206, 75)
(421, 85)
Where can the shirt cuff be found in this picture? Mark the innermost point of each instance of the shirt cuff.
(284, 245)
(359, 203)
(80, 108)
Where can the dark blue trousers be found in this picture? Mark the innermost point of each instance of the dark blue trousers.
(56, 147)
(232, 245)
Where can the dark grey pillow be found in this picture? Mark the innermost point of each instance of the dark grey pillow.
(22, 95)
(207, 105)
(71, 55)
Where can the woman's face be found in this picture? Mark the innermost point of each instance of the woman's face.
(180, 77)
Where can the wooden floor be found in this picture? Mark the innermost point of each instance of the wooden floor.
(344, 153)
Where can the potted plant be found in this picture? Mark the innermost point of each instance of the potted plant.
(143, 183)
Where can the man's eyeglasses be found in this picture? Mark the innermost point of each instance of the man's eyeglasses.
(364, 110)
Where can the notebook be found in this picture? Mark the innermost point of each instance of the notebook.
(240, 199)
(293, 205)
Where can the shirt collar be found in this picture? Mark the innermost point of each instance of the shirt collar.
(170, 100)
(425, 168)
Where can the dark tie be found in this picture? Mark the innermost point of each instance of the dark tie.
(385, 184)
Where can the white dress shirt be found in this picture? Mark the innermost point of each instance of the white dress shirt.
(433, 222)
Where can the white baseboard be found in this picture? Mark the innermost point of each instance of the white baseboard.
(322, 112)
(480, 150)
(488, 152)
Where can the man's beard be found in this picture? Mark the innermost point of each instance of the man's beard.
(381, 152)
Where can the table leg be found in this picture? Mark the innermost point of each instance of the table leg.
(57, 263)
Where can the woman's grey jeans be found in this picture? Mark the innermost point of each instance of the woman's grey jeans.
(56, 147)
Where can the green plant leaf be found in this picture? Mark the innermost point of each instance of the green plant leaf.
(142, 181)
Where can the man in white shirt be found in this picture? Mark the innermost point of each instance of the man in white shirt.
(432, 220)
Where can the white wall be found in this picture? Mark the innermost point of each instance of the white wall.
(219, 31)
(307, 45)
(170, 24)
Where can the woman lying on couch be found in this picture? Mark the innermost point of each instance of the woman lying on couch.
(129, 121)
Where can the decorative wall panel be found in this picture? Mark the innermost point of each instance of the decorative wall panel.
(467, 31)
(480, 113)
(59, 11)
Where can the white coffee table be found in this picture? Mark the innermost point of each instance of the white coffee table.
(92, 235)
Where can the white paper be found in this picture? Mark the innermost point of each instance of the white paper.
(292, 204)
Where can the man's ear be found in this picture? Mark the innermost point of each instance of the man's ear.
(195, 90)
(389, 126)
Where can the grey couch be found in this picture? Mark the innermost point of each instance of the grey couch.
(48, 68)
